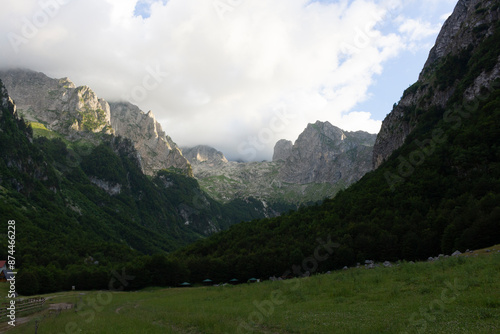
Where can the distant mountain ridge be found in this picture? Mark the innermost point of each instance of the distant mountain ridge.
(158, 151)
(324, 153)
(323, 160)
(204, 154)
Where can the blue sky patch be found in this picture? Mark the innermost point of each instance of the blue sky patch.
(143, 7)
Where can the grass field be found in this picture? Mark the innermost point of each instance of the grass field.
(453, 295)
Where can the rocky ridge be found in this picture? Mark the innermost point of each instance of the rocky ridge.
(471, 22)
(61, 105)
(77, 111)
(323, 160)
(157, 150)
(282, 150)
(204, 154)
(324, 153)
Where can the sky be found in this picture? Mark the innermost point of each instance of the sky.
(237, 75)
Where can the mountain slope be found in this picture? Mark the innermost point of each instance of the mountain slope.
(472, 23)
(437, 188)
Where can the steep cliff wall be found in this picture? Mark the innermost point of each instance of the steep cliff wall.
(472, 22)
(59, 104)
(324, 153)
(77, 112)
(157, 150)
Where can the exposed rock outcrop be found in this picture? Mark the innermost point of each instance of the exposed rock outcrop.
(471, 22)
(323, 160)
(6, 100)
(157, 150)
(282, 150)
(204, 154)
(470, 19)
(110, 188)
(60, 105)
(77, 111)
(324, 153)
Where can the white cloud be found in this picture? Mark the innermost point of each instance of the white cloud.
(218, 81)
(417, 30)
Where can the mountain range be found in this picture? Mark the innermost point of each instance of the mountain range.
(91, 179)
(323, 160)
(322, 156)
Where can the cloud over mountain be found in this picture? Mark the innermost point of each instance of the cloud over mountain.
(219, 72)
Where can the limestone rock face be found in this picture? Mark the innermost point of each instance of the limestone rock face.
(282, 150)
(471, 22)
(77, 112)
(323, 160)
(157, 150)
(111, 189)
(324, 153)
(5, 100)
(470, 19)
(204, 154)
(60, 105)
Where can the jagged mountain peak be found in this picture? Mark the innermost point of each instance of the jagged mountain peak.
(157, 150)
(323, 160)
(324, 153)
(282, 150)
(326, 129)
(57, 103)
(204, 154)
(76, 111)
(67, 82)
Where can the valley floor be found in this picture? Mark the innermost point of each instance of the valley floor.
(453, 295)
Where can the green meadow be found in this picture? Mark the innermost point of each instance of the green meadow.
(452, 295)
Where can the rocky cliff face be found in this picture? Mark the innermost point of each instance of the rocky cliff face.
(6, 102)
(157, 150)
(324, 153)
(471, 22)
(66, 109)
(203, 154)
(282, 150)
(323, 160)
(77, 111)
